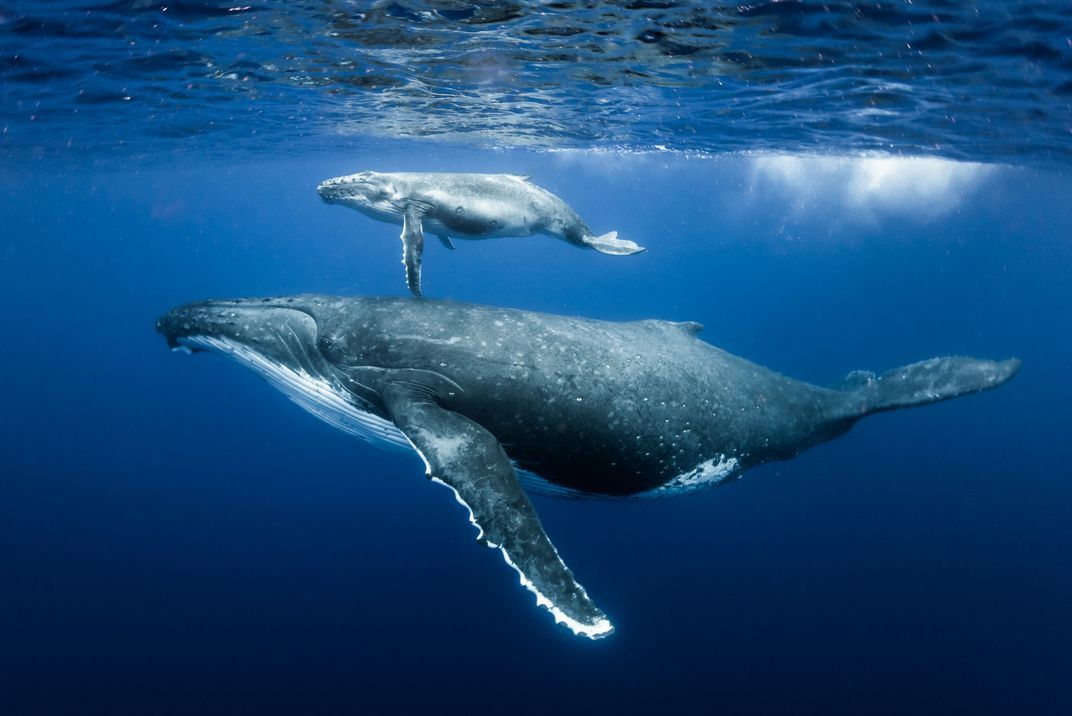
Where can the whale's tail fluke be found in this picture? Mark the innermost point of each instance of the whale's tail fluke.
(925, 382)
(609, 243)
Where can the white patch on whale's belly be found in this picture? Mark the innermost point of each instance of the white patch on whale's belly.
(311, 392)
(709, 473)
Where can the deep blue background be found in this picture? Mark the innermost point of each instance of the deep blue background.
(176, 537)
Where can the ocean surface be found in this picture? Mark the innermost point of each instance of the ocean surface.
(826, 187)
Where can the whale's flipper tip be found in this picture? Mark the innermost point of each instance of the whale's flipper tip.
(609, 243)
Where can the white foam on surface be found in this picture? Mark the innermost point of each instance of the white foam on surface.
(916, 187)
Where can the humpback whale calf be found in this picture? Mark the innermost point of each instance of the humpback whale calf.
(464, 206)
(493, 399)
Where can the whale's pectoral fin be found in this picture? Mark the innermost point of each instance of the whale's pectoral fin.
(413, 246)
(446, 241)
(609, 243)
(463, 455)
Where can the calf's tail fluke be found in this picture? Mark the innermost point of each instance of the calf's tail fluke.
(609, 243)
(925, 382)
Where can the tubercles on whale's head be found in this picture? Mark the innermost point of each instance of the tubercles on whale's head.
(273, 329)
(305, 332)
(368, 192)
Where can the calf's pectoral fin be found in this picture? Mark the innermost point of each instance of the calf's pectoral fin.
(446, 241)
(413, 246)
(467, 458)
(609, 243)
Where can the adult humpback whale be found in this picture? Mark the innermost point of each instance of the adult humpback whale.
(465, 206)
(568, 405)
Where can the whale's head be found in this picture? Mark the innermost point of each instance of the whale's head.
(371, 193)
(275, 330)
(291, 343)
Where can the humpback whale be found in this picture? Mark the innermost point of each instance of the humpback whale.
(464, 206)
(494, 399)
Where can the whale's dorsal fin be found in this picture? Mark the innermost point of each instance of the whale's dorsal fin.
(689, 328)
(467, 458)
(856, 379)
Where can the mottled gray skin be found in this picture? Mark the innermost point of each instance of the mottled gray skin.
(465, 206)
(600, 408)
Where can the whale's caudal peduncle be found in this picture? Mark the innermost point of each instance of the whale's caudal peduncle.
(465, 206)
(491, 398)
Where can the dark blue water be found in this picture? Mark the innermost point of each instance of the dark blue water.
(176, 537)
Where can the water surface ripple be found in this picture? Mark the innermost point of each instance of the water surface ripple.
(985, 81)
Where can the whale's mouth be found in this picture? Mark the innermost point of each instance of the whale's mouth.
(331, 191)
(276, 333)
(272, 332)
(310, 383)
(278, 341)
(371, 195)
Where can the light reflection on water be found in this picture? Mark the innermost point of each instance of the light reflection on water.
(920, 78)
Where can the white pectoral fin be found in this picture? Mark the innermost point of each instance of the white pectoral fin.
(467, 458)
(413, 246)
